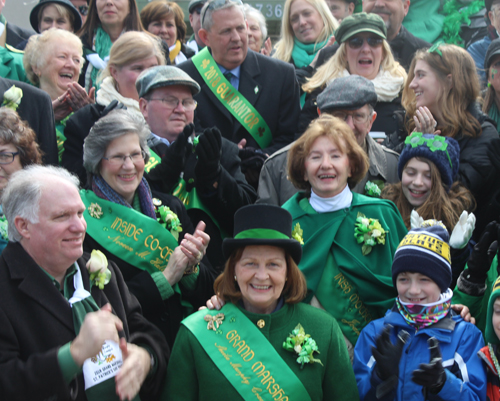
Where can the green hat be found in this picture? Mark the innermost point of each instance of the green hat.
(361, 22)
(489, 332)
(164, 75)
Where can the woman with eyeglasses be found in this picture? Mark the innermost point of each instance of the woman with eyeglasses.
(307, 26)
(363, 51)
(147, 234)
(18, 149)
(131, 54)
(165, 19)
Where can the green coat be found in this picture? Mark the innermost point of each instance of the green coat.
(353, 288)
(11, 64)
(193, 376)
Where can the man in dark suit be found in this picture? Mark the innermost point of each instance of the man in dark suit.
(55, 317)
(36, 109)
(12, 34)
(213, 187)
(269, 85)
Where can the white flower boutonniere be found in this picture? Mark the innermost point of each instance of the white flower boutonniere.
(12, 98)
(98, 269)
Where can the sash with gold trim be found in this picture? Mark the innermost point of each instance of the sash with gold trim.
(244, 355)
(133, 237)
(239, 107)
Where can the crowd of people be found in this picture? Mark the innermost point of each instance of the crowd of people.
(190, 218)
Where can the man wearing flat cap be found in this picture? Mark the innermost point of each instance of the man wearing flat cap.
(351, 99)
(194, 8)
(202, 169)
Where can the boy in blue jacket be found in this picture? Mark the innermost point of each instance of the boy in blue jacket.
(421, 350)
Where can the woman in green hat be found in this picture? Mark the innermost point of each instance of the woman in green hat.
(264, 343)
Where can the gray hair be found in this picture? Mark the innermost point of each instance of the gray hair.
(210, 7)
(21, 196)
(114, 125)
(257, 15)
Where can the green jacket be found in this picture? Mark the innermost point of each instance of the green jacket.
(11, 64)
(353, 288)
(193, 376)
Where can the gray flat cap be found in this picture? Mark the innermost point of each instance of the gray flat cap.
(347, 93)
(195, 3)
(164, 75)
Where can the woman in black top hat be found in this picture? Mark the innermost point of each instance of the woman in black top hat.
(264, 340)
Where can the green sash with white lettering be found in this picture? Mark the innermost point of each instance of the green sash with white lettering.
(191, 200)
(133, 237)
(233, 100)
(154, 160)
(244, 356)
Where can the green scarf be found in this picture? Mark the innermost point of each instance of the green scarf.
(303, 54)
(494, 114)
(102, 46)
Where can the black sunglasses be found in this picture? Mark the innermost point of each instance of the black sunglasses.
(83, 10)
(215, 4)
(357, 42)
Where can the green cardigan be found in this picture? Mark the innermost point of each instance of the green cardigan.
(193, 376)
(353, 288)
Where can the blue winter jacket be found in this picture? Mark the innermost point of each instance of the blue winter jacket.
(459, 343)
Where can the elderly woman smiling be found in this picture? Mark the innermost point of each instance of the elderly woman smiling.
(53, 61)
(157, 254)
(349, 239)
(261, 332)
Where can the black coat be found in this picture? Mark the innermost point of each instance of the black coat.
(16, 34)
(36, 109)
(164, 314)
(222, 196)
(269, 85)
(36, 320)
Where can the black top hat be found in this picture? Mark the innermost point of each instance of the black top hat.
(263, 225)
(34, 13)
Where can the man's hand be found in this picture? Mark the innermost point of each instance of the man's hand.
(387, 354)
(209, 153)
(135, 368)
(96, 328)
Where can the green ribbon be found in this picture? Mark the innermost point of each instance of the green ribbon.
(239, 107)
(261, 233)
(61, 138)
(243, 355)
(130, 235)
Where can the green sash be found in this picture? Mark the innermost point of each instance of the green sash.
(245, 357)
(234, 101)
(128, 234)
(154, 160)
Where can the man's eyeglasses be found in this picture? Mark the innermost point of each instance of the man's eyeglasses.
(171, 103)
(215, 4)
(7, 157)
(119, 160)
(359, 118)
(357, 42)
(83, 10)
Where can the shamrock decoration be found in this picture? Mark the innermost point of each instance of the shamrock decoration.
(303, 345)
(369, 232)
(415, 139)
(297, 234)
(12, 97)
(372, 189)
(98, 269)
(168, 219)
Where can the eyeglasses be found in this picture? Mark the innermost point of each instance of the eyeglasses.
(119, 160)
(171, 103)
(7, 157)
(357, 42)
(215, 4)
(83, 10)
(359, 118)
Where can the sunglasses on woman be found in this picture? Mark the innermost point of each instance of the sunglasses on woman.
(357, 42)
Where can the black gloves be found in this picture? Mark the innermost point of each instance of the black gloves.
(431, 375)
(114, 105)
(208, 151)
(387, 357)
(482, 255)
(172, 163)
(252, 161)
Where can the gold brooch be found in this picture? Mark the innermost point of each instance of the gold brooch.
(214, 321)
(95, 210)
(261, 323)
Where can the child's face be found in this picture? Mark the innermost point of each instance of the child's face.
(416, 288)
(496, 317)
